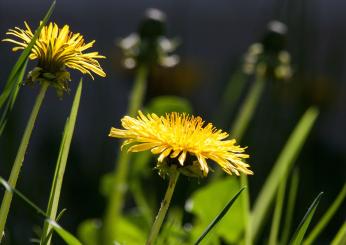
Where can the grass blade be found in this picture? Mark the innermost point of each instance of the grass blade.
(219, 216)
(7, 199)
(8, 188)
(326, 217)
(280, 169)
(292, 195)
(65, 235)
(304, 224)
(11, 81)
(61, 164)
(280, 196)
(12, 98)
(340, 237)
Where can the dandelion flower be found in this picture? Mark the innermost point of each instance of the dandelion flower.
(184, 141)
(55, 49)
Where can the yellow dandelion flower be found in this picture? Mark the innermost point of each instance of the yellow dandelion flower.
(55, 49)
(185, 139)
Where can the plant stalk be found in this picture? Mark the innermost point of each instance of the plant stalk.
(163, 209)
(239, 127)
(60, 167)
(6, 202)
(116, 199)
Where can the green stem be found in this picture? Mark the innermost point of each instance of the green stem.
(6, 202)
(138, 91)
(326, 217)
(340, 237)
(274, 231)
(60, 167)
(164, 207)
(230, 96)
(248, 108)
(116, 199)
(245, 199)
(292, 195)
(240, 125)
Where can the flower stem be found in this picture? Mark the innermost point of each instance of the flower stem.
(164, 207)
(240, 125)
(116, 198)
(6, 202)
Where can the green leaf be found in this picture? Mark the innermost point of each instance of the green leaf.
(130, 232)
(61, 164)
(281, 168)
(11, 81)
(304, 224)
(340, 237)
(89, 231)
(65, 235)
(205, 204)
(172, 231)
(326, 217)
(219, 216)
(163, 104)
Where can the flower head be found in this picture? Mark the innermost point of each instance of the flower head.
(183, 140)
(55, 49)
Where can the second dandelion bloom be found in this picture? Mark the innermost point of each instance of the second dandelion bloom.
(55, 49)
(184, 141)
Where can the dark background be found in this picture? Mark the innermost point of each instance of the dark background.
(214, 36)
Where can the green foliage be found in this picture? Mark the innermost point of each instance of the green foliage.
(304, 224)
(11, 89)
(205, 204)
(64, 234)
(61, 165)
(281, 169)
(219, 217)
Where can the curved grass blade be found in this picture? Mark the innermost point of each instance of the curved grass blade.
(326, 217)
(24, 198)
(219, 216)
(65, 235)
(298, 236)
(282, 166)
(340, 237)
(61, 164)
(11, 81)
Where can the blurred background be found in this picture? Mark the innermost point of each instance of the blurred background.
(214, 36)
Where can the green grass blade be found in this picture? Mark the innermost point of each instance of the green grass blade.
(11, 81)
(274, 231)
(7, 199)
(65, 235)
(61, 164)
(8, 188)
(326, 217)
(280, 169)
(292, 195)
(219, 216)
(340, 237)
(304, 224)
(12, 98)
